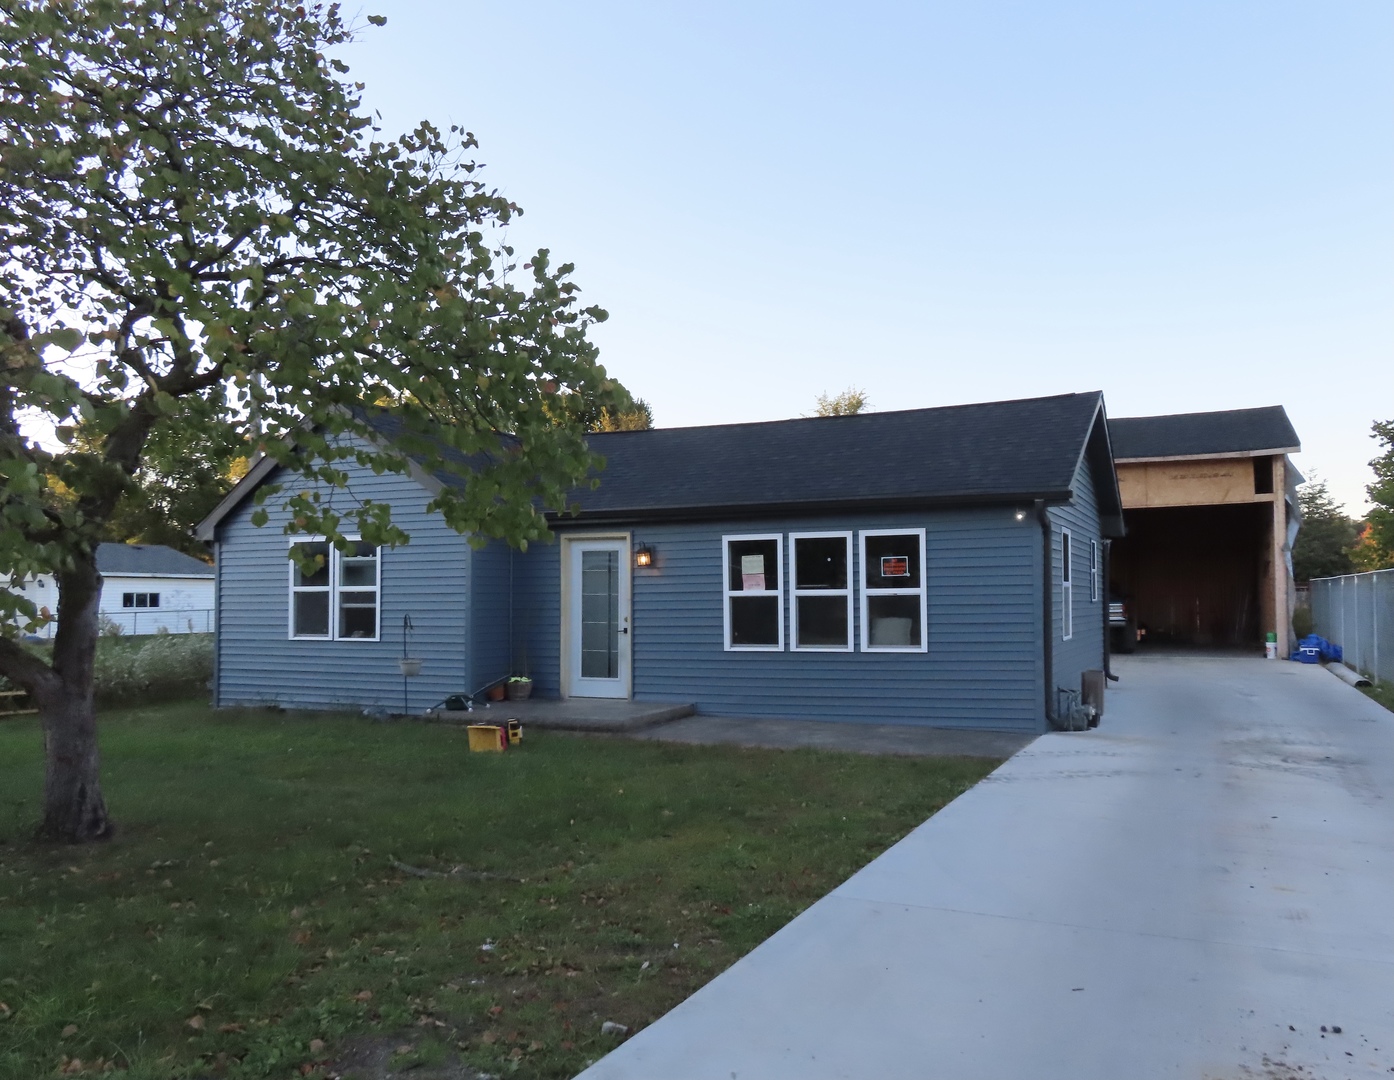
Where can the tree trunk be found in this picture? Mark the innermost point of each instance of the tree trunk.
(74, 810)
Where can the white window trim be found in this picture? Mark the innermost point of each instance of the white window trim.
(1067, 587)
(332, 589)
(1093, 571)
(795, 592)
(727, 592)
(922, 591)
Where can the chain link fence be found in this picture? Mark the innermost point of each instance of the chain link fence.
(134, 622)
(1356, 612)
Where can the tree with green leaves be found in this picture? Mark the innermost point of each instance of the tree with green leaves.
(847, 403)
(206, 239)
(637, 418)
(1326, 537)
(1376, 550)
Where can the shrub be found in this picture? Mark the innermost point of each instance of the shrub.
(161, 666)
(1302, 621)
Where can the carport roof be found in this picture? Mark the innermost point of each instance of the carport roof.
(1238, 432)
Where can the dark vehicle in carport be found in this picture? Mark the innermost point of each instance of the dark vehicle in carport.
(1122, 625)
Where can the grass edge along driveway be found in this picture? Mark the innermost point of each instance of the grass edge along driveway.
(251, 919)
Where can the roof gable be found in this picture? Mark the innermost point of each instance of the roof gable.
(1235, 431)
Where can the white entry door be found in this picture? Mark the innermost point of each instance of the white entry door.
(597, 623)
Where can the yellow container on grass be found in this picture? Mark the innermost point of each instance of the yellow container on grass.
(486, 738)
(515, 732)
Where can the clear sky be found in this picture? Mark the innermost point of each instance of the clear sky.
(1189, 206)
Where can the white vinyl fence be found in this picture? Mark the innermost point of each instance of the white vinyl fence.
(1356, 612)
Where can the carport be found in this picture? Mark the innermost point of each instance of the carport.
(1210, 508)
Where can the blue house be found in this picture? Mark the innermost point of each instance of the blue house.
(940, 567)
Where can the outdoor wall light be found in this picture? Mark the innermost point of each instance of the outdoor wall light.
(1021, 515)
(643, 555)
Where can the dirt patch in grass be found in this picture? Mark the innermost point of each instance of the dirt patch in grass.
(252, 918)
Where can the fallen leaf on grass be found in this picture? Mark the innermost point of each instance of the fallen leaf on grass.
(195, 1022)
(405, 1048)
(494, 1010)
(489, 1038)
(516, 1054)
(316, 1046)
(363, 995)
(231, 1029)
(4, 1011)
(534, 1047)
(69, 1031)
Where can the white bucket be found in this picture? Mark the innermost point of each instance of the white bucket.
(1270, 650)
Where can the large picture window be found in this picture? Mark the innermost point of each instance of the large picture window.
(754, 613)
(337, 597)
(893, 590)
(822, 588)
(1067, 594)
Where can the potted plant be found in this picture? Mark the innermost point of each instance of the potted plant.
(519, 688)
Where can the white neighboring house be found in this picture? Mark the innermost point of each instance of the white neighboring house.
(145, 588)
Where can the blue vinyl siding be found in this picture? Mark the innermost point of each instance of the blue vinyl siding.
(492, 617)
(257, 664)
(982, 667)
(537, 615)
(1085, 648)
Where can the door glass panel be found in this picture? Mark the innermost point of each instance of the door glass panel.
(600, 615)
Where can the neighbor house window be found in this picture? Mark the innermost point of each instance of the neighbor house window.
(754, 614)
(893, 590)
(822, 575)
(1067, 613)
(336, 598)
(1093, 571)
(140, 599)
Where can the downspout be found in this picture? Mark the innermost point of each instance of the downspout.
(1047, 613)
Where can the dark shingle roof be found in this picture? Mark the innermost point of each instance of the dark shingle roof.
(1236, 431)
(121, 559)
(962, 453)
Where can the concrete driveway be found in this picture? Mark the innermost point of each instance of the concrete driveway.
(1193, 890)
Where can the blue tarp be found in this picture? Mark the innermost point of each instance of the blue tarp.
(1313, 649)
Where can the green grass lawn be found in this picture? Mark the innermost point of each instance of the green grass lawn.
(248, 921)
(1383, 692)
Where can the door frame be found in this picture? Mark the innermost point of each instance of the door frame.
(568, 600)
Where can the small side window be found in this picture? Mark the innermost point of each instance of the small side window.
(1093, 571)
(1067, 612)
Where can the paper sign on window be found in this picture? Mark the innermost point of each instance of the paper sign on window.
(895, 566)
(752, 573)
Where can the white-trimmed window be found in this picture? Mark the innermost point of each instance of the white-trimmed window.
(754, 607)
(140, 599)
(1093, 571)
(893, 590)
(337, 599)
(1067, 599)
(821, 565)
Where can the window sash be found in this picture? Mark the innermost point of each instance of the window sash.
(798, 591)
(731, 595)
(1093, 571)
(340, 597)
(920, 593)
